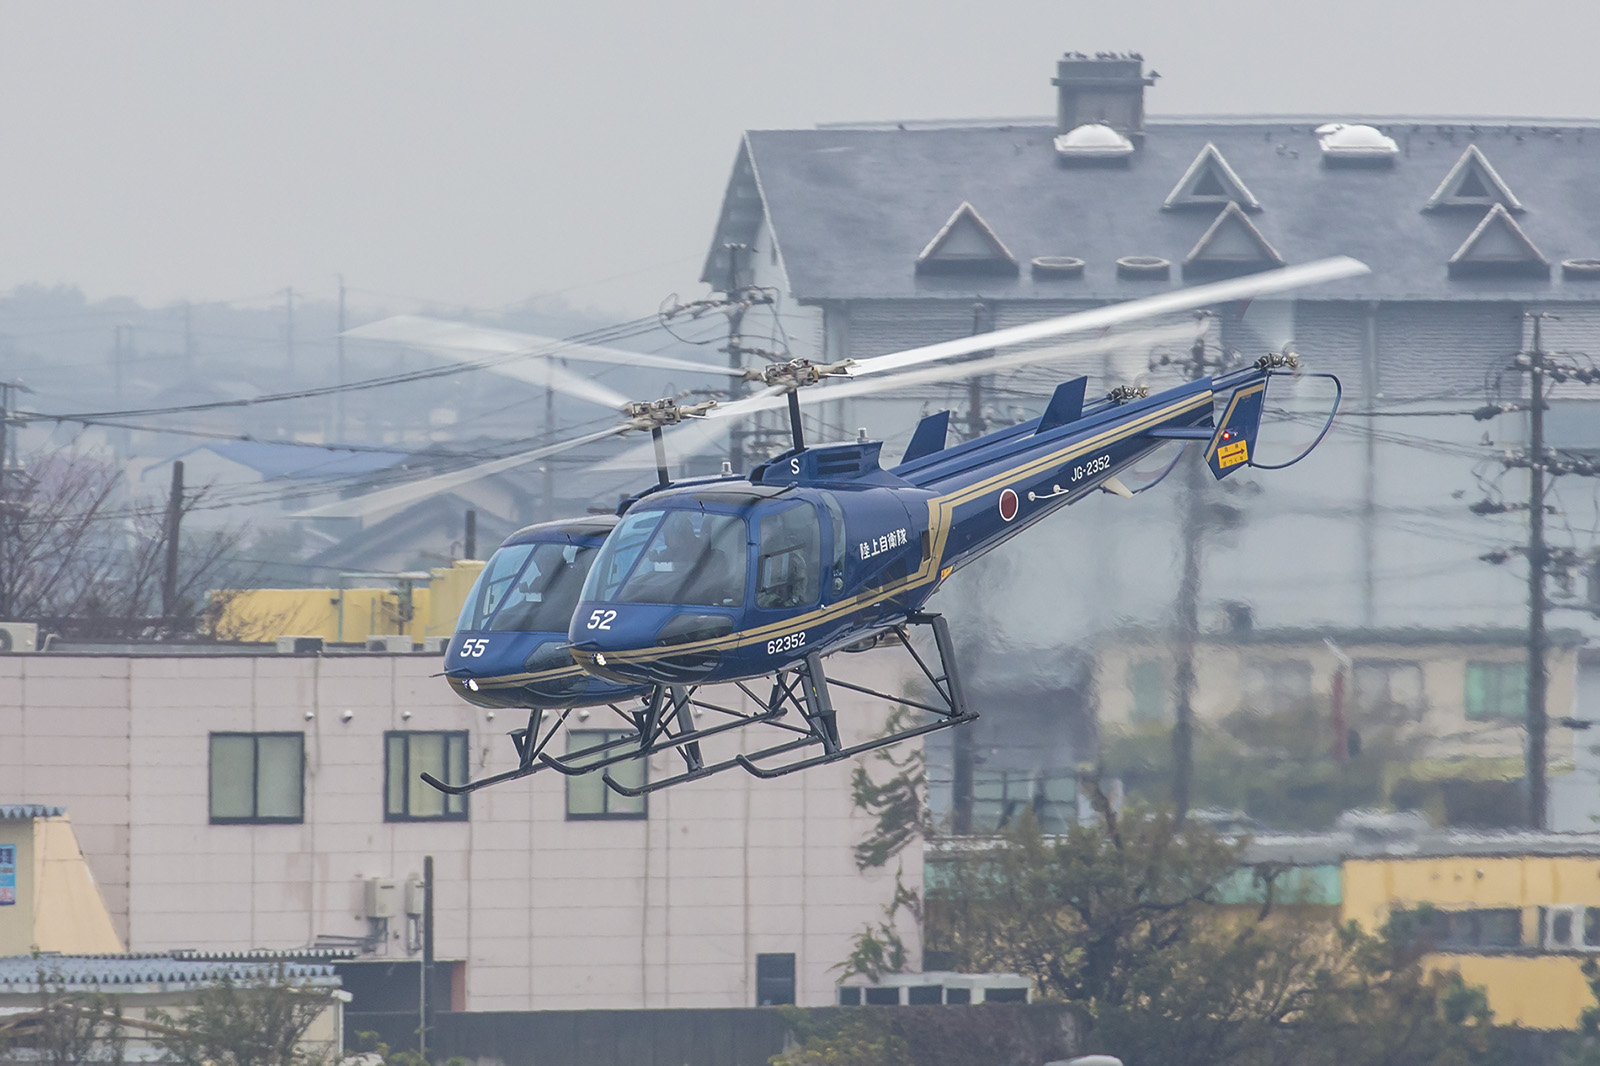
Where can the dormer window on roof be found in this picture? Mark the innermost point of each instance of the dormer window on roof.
(1472, 182)
(1355, 144)
(1498, 248)
(1210, 182)
(1093, 142)
(966, 245)
(1231, 245)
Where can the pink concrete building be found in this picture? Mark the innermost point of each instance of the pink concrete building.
(239, 801)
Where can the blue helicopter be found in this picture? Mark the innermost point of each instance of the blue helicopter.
(727, 580)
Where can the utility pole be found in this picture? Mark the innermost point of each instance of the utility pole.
(338, 369)
(1186, 635)
(1538, 724)
(963, 742)
(426, 990)
(1540, 461)
(548, 467)
(7, 525)
(188, 337)
(169, 578)
(736, 433)
(469, 547)
(116, 363)
(288, 332)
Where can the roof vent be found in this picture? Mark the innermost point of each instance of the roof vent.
(1057, 266)
(1582, 269)
(1210, 182)
(1498, 248)
(1354, 144)
(966, 245)
(1472, 182)
(1093, 142)
(1144, 268)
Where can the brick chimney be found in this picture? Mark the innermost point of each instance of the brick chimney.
(1106, 87)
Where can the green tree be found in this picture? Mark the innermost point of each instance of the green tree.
(70, 1027)
(257, 1021)
(1119, 920)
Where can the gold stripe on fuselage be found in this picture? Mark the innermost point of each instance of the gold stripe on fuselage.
(940, 509)
(505, 680)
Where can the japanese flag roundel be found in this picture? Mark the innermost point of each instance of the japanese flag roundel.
(1008, 505)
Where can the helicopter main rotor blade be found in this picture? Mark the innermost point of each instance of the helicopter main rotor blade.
(459, 343)
(411, 491)
(694, 439)
(1179, 332)
(1244, 288)
(466, 342)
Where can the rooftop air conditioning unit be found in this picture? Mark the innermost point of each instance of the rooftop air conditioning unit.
(19, 637)
(435, 645)
(392, 644)
(299, 645)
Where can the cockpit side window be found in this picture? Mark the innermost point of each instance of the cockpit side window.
(695, 557)
(788, 562)
(492, 585)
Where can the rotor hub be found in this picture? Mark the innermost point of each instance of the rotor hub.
(654, 414)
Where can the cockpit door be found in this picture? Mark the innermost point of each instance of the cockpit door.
(788, 557)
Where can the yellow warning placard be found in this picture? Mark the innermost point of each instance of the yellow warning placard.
(1233, 454)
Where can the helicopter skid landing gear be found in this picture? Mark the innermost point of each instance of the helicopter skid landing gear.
(666, 721)
(806, 690)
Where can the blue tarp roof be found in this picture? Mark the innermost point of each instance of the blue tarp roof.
(289, 461)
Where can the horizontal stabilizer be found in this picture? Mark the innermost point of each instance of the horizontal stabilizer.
(929, 436)
(1066, 405)
(1234, 441)
(1117, 488)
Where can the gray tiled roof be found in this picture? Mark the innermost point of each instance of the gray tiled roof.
(20, 973)
(853, 207)
(17, 811)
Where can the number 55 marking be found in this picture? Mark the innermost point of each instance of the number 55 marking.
(472, 649)
(602, 619)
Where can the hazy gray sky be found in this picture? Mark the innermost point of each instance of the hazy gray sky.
(481, 153)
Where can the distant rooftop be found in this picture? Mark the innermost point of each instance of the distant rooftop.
(170, 972)
(15, 812)
(1427, 201)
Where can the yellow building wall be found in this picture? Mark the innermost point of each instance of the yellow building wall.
(448, 592)
(16, 921)
(267, 614)
(70, 916)
(1531, 986)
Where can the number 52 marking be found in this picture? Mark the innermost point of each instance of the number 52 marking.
(602, 619)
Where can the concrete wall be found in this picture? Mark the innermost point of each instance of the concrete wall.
(666, 911)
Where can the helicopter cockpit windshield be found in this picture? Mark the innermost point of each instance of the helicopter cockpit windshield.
(673, 556)
(528, 588)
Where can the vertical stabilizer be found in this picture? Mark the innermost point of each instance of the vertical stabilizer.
(1234, 441)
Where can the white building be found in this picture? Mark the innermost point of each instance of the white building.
(244, 801)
